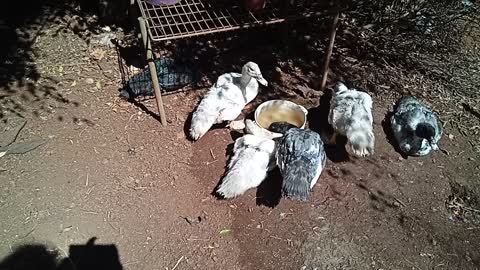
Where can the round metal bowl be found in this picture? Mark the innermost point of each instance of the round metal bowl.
(290, 112)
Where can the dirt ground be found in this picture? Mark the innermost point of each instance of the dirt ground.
(110, 171)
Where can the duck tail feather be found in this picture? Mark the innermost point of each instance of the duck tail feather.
(202, 121)
(295, 184)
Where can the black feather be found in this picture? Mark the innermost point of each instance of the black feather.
(281, 127)
(300, 153)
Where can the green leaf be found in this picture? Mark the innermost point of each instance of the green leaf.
(225, 232)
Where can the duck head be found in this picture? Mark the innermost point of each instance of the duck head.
(280, 127)
(427, 132)
(252, 70)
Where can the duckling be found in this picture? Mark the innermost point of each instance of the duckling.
(300, 156)
(351, 116)
(252, 159)
(226, 99)
(415, 127)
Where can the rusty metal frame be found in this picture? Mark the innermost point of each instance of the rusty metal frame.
(190, 18)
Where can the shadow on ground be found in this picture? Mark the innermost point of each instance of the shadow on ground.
(81, 257)
(23, 89)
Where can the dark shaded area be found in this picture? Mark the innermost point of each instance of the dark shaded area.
(186, 126)
(146, 110)
(91, 257)
(318, 121)
(229, 154)
(411, 36)
(470, 110)
(81, 257)
(31, 257)
(23, 90)
(387, 130)
(19, 28)
(235, 134)
(269, 193)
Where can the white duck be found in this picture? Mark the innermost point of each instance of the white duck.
(253, 128)
(252, 159)
(415, 127)
(351, 116)
(226, 99)
(300, 156)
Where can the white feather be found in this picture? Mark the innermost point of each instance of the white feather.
(226, 99)
(249, 165)
(351, 115)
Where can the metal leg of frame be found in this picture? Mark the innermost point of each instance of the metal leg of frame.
(153, 70)
(328, 53)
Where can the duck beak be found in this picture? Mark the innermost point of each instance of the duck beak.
(261, 80)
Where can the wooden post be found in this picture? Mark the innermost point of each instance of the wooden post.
(153, 70)
(328, 53)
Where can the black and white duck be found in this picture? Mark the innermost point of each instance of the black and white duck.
(351, 116)
(226, 99)
(301, 158)
(415, 127)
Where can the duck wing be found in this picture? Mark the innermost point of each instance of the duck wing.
(348, 108)
(300, 158)
(228, 78)
(248, 167)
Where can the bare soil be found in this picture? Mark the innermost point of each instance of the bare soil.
(111, 171)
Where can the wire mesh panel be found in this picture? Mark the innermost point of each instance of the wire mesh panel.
(196, 17)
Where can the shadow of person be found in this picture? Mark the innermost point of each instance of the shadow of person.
(30, 257)
(81, 257)
(91, 257)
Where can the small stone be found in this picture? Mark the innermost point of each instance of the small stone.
(89, 81)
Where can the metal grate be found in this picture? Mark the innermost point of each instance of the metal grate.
(197, 17)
